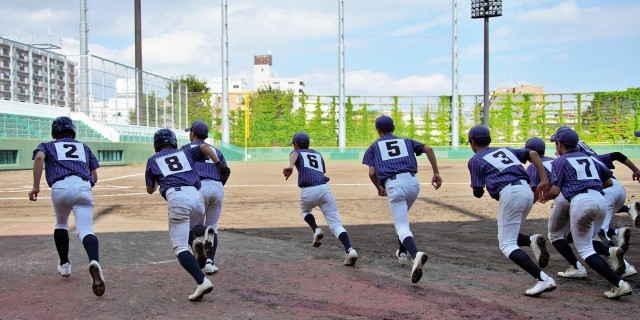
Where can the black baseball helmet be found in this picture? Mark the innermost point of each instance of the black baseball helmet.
(62, 124)
(164, 137)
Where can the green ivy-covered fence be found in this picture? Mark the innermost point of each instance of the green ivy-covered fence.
(599, 117)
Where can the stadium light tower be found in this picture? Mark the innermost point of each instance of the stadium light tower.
(486, 9)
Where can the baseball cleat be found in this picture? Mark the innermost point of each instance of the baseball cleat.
(351, 257)
(65, 269)
(541, 287)
(572, 272)
(208, 241)
(616, 260)
(198, 253)
(97, 279)
(633, 213)
(205, 287)
(624, 289)
(622, 238)
(629, 270)
(539, 248)
(317, 237)
(605, 239)
(210, 268)
(418, 264)
(402, 257)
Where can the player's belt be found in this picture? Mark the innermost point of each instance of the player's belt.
(73, 175)
(393, 177)
(519, 183)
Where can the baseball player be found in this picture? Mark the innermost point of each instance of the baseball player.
(314, 192)
(616, 196)
(70, 169)
(501, 171)
(212, 192)
(559, 221)
(173, 171)
(392, 170)
(580, 180)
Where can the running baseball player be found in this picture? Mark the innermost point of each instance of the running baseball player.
(212, 183)
(172, 170)
(580, 180)
(314, 192)
(501, 171)
(559, 227)
(392, 170)
(70, 169)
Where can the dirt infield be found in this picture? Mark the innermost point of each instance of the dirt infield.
(268, 268)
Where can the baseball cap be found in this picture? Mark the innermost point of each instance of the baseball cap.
(299, 137)
(479, 132)
(535, 144)
(637, 133)
(565, 136)
(385, 124)
(199, 127)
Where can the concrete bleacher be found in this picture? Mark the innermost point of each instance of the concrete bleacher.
(16, 126)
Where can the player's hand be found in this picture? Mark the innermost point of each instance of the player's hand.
(382, 192)
(287, 172)
(33, 194)
(436, 181)
(542, 189)
(223, 171)
(636, 176)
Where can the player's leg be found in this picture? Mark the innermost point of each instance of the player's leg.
(329, 208)
(83, 213)
(213, 211)
(181, 208)
(559, 228)
(62, 210)
(585, 210)
(308, 201)
(515, 203)
(401, 194)
(615, 196)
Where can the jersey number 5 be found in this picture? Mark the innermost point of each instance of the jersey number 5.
(392, 149)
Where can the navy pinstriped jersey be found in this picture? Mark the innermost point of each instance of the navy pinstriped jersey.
(391, 155)
(532, 172)
(173, 168)
(311, 169)
(575, 172)
(497, 168)
(205, 168)
(67, 157)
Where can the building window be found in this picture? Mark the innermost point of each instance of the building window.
(8, 157)
(109, 155)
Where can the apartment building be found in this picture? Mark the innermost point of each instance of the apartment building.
(32, 74)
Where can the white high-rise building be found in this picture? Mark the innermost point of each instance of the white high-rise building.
(36, 75)
(263, 77)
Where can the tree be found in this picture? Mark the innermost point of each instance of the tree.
(200, 106)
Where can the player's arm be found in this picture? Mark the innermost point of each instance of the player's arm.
(151, 189)
(94, 173)
(436, 180)
(553, 192)
(374, 179)
(208, 150)
(38, 166)
(622, 158)
(543, 185)
(293, 157)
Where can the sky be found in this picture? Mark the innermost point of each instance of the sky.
(399, 47)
